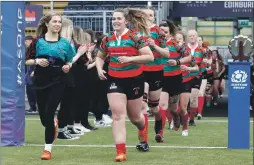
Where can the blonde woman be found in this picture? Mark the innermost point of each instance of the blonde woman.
(82, 82)
(67, 111)
(52, 55)
(198, 53)
(153, 73)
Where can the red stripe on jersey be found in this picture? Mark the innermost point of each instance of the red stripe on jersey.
(173, 73)
(187, 79)
(152, 68)
(125, 74)
(117, 65)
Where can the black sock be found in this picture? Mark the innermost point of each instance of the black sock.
(158, 126)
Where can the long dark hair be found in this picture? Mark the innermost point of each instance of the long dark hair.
(172, 27)
(42, 28)
(218, 55)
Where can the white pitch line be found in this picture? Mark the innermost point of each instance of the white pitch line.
(128, 146)
(198, 121)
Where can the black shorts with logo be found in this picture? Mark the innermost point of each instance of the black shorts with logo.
(196, 82)
(172, 84)
(154, 79)
(187, 86)
(132, 87)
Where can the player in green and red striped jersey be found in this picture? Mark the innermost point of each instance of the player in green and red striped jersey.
(153, 72)
(211, 67)
(187, 84)
(198, 53)
(180, 37)
(202, 89)
(218, 76)
(172, 80)
(126, 50)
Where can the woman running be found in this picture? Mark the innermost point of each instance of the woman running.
(198, 53)
(218, 76)
(211, 67)
(127, 51)
(52, 56)
(202, 90)
(180, 37)
(172, 80)
(187, 83)
(153, 73)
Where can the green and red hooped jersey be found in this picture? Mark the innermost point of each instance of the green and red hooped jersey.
(186, 75)
(198, 54)
(212, 65)
(177, 52)
(160, 40)
(129, 45)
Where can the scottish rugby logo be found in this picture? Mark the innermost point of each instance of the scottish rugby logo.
(239, 76)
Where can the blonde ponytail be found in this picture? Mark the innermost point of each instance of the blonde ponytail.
(137, 18)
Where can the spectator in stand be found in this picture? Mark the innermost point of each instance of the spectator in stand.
(29, 71)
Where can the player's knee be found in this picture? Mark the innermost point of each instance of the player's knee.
(153, 103)
(163, 106)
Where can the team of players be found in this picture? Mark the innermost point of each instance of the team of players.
(149, 66)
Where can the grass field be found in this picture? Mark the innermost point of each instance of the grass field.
(205, 145)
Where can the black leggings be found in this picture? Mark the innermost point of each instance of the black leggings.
(81, 94)
(82, 104)
(99, 101)
(66, 114)
(48, 99)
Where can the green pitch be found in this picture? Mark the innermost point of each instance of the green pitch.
(97, 148)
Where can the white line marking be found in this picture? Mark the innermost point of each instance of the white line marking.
(198, 121)
(128, 146)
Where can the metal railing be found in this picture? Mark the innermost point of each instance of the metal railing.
(99, 21)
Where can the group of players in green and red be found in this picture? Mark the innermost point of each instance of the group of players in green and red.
(155, 66)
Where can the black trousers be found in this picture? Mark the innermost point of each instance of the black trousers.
(81, 103)
(67, 110)
(99, 102)
(47, 100)
(31, 96)
(66, 114)
(82, 94)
